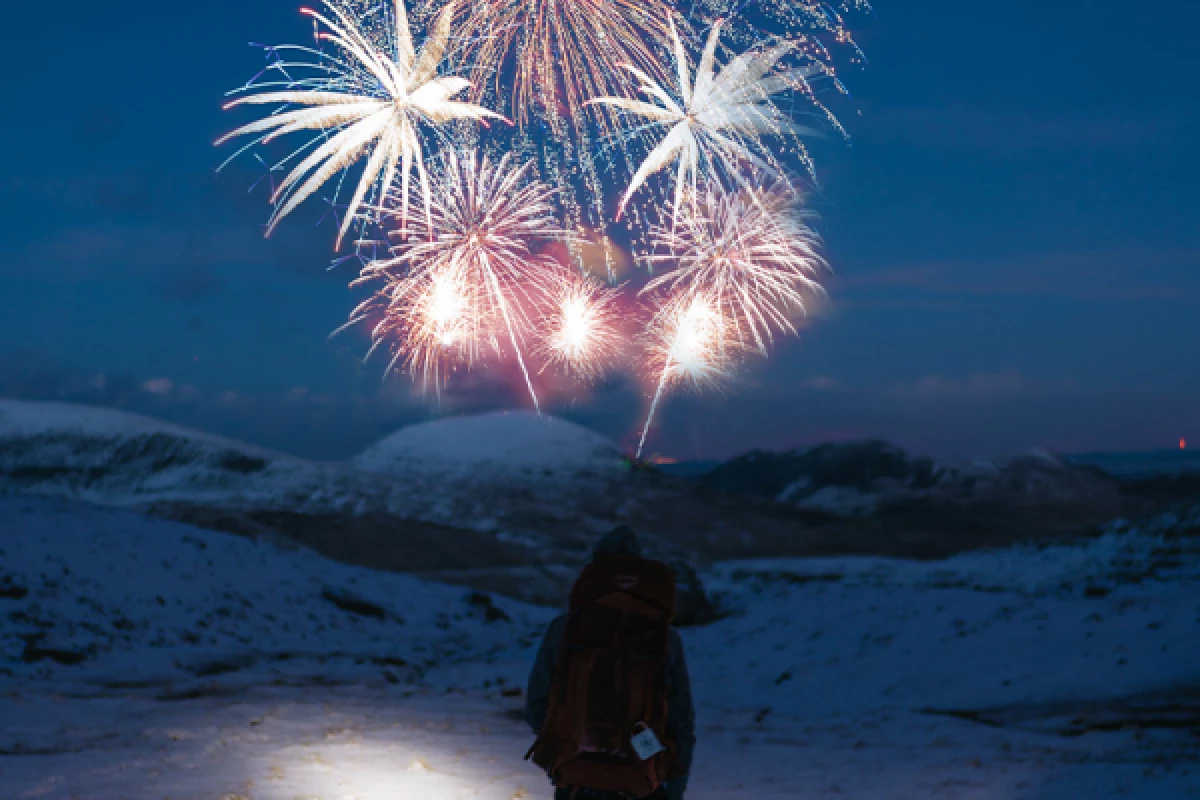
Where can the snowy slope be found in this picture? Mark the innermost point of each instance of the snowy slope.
(507, 445)
(1108, 618)
(429, 472)
(525, 488)
(121, 459)
(112, 598)
(22, 418)
(215, 667)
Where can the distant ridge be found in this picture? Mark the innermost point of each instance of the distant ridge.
(1140, 465)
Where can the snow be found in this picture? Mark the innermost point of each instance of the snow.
(113, 458)
(506, 443)
(26, 418)
(457, 472)
(989, 676)
(158, 604)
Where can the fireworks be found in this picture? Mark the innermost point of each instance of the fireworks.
(745, 263)
(581, 328)
(472, 279)
(717, 120)
(466, 281)
(749, 251)
(542, 60)
(360, 99)
(688, 344)
(562, 52)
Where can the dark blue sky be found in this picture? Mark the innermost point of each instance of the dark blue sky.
(1014, 232)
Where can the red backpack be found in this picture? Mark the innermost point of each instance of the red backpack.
(610, 683)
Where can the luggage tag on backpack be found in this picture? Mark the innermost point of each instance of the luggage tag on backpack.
(645, 743)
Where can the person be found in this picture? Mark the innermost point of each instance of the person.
(553, 695)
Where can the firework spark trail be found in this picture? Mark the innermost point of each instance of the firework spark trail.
(689, 338)
(717, 119)
(475, 269)
(815, 28)
(359, 100)
(502, 303)
(560, 53)
(542, 60)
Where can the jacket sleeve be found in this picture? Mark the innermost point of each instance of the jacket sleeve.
(541, 677)
(681, 714)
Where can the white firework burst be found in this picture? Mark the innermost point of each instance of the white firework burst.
(717, 119)
(360, 99)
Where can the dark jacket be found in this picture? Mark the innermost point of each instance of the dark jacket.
(681, 716)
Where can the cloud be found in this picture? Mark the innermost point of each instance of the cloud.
(1112, 274)
(1004, 385)
(152, 224)
(159, 386)
(1005, 133)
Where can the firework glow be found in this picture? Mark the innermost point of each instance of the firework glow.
(469, 278)
(688, 345)
(605, 95)
(361, 99)
(582, 333)
(749, 250)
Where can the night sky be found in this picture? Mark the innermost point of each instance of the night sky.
(1014, 231)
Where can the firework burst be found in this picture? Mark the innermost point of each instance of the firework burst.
(554, 55)
(716, 121)
(750, 251)
(819, 33)
(541, 61)
(742, 266)
(471, 278)
(581, 328)
(370, 94)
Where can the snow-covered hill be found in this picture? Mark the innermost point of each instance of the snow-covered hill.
(508, 446)
(114, 458)
(472, 498)
(510, 503)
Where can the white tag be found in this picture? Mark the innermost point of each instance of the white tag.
(646, 744)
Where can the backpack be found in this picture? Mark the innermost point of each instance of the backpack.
(610, 682)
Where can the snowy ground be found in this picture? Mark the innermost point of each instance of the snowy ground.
(144, 659)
